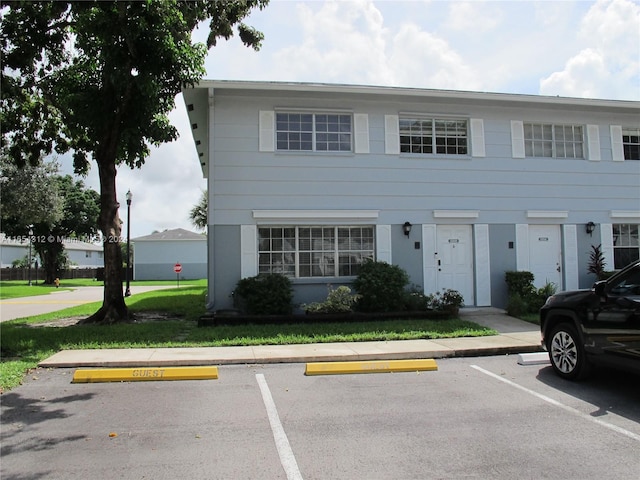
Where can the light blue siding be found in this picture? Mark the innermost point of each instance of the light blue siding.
(404, 187)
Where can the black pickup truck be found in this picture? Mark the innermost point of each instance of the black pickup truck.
(599, 326)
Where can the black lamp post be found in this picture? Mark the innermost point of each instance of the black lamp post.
(30, 237)
(127, 292)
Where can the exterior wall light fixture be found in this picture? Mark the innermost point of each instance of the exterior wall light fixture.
(406, 228)
(590, 227)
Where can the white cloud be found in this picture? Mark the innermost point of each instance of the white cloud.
(609, 64)
(476, 17)
(422, 59)
(342, 42)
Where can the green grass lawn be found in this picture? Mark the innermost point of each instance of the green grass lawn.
(23, 343)
(19, 288)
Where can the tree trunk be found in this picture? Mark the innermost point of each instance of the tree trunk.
(113, 309)
(49, 253)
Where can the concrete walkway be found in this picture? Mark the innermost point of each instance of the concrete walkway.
(515, 337)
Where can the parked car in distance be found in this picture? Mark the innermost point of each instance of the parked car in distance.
(600, 326)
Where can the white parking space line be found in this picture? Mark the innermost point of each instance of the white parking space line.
(282, 442)
(555, 403)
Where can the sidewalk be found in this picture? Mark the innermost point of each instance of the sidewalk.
(516, 336)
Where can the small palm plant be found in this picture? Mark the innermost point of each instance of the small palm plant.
(596, 262)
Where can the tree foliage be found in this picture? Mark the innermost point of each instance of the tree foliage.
(29, 195)
(199, 212)
(54, 207)
(99, 78)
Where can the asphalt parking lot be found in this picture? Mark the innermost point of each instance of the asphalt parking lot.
(485, 417)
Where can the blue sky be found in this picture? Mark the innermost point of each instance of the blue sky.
(588, 49)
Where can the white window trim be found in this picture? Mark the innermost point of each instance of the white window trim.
(456, 214)
(482, 265)
(547, 214)
(384, 251)
(248, 251)
(267, 130)
(383, 243)
(392, 135)
(570, 256)
(476, 125)
(617, 146)
(593, 143)
(314, 112)
(632, 215)
(360, 133)
(313, 216)
(517, 139)
(478, 128)
(606, 240)
(555, 142)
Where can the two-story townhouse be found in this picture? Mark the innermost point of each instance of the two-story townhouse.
(454, 187)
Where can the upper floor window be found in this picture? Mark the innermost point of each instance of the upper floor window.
(557, 141)
(626, 244)
(429, 135)
(322, 251)
(631, 143)
(313, 132)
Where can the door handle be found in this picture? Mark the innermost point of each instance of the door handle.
(559, 269)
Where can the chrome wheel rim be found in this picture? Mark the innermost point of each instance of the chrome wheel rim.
(564, 352)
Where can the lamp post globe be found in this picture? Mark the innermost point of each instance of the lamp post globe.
(129, 196)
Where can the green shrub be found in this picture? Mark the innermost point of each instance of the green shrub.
(415, 300)
(381, 287)
(339, 300)
(538, 297)
(269, 294)
(447, 301)
(520, 283)
(523, 296)
(516, 306)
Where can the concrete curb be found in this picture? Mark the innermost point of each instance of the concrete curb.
(266, 354)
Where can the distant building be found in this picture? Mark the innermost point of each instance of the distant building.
(156, 254)
(81, 254)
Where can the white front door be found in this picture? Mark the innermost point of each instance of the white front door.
(455, 260)
(545, 255)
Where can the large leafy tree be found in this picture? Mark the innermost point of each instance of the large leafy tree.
(99, 78)
(29, 195)
(52, 206)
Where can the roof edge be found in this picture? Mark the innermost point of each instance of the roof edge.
(413, 91)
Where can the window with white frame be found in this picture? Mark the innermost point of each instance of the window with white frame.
(432, 135)
(631, 143)
(314, 251)
(319, 132)
(626, 246)
(557, 141)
